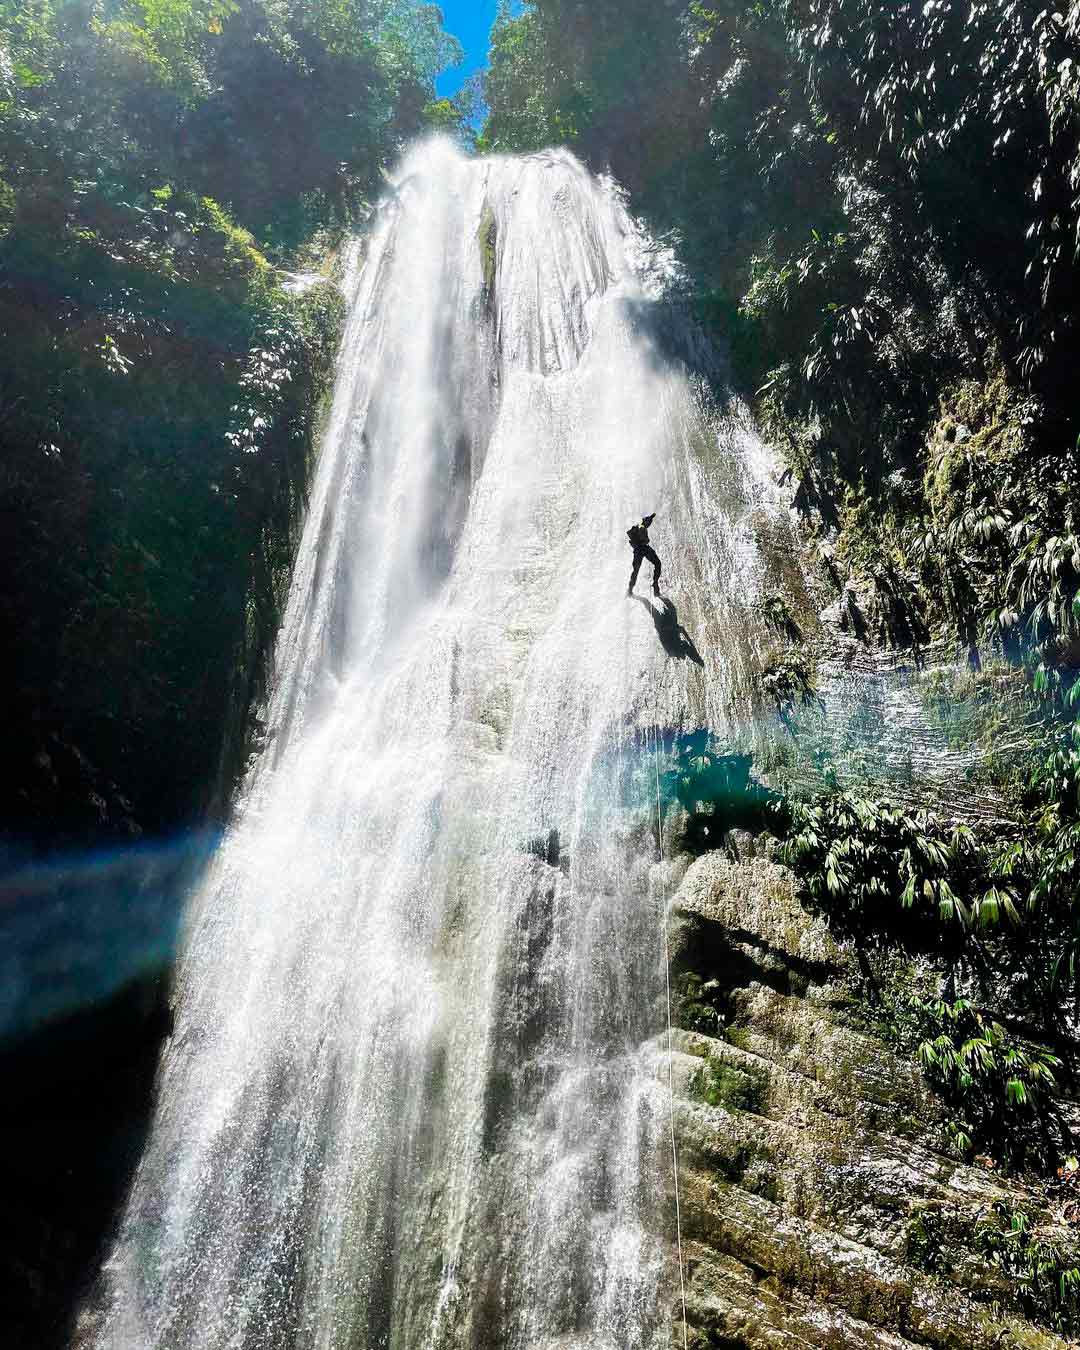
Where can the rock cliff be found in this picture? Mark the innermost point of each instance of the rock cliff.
(820, 1206)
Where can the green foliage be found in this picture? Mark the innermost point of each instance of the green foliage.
(697, 1004)
(997, 909)
(721, 1084)
(1003, 1088)
(933, 1238)
(1039, 1256)
(487, 239)
(788, 684)
(1043, 1260)
(878, 860)
(607, 79)
(531, 98)
(158, 393)
(739, 1037)
(1000, 543)
(953, 133)
(888, 872)
(267, 108)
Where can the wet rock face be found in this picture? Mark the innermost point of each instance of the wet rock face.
(818, 1205)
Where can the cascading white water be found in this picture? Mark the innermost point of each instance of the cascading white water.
(412, 1097)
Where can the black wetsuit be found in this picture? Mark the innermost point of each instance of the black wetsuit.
(639, 542)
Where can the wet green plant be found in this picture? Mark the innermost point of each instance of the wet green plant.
(775, 612)
(1000, 547)
(1043, 1260)
(882, 866)
(934, 1238)
(698, 1005)
(1004, 1089)
(739, 1037)
(788, 684)
(995, 910)
(718, 1083)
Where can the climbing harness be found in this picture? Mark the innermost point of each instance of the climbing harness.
(667, 985)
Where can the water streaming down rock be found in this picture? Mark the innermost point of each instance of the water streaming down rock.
(413, 1095)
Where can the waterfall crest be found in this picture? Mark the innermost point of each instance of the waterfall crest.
(412, 1097)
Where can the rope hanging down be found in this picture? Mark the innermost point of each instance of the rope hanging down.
(667, 985)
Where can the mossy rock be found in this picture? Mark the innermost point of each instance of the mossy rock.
(735, 1089)
(980, 433)
(487, 238)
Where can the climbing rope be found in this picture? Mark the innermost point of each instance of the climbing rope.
(667, 985)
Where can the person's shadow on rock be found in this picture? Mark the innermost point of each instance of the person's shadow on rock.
(674, 638)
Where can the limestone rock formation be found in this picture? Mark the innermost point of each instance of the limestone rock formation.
(819, 1204)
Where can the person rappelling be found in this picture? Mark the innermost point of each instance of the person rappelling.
(639, 542)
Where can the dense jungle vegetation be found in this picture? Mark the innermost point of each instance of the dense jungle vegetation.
(160, 161)
(878, 208)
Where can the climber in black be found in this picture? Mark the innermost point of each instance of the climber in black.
(639, 542)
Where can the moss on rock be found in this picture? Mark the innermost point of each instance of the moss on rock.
(487, 238)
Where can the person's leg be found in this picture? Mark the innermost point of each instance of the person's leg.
(655, 560)
(638, 555)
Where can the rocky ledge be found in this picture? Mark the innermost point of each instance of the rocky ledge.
(820, 1206)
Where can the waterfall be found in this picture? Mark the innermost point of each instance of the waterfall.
(414, 1095)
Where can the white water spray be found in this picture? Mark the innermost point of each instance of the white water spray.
(413, 1097)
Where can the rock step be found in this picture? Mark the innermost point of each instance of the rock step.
(872, 1187)
(818, 1285)
(736, 1308)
